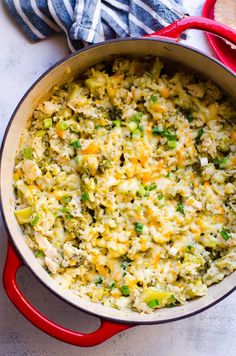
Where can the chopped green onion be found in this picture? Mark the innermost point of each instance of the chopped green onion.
(67, 213)
(139, 227)
(116, 123)
(153, 303)
(136, 133)
(99, 280)
(171, 144)
(153, 98)
(137, 117)
(151, 187)
(225, 234)
(47, 123)
(190, 118)
(143, 192)
(27, 153)
(132, 125)
(34, 220)
(111, 286)
(180, 208)
(200, 132)
(126, 262)
(65, 199)
(84, 196)
(160, 196)
(164, 133)
(124, 290)
(98, 126)
(76, 144)
(39, 253)
(141, 128)
(223, 162)
(63, 125)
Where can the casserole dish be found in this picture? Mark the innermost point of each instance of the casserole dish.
(113, 320)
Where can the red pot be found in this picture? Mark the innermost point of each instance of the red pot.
(163, 44)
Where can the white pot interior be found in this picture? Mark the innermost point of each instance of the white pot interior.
(59, 74)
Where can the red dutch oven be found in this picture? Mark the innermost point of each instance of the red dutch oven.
(165, 45)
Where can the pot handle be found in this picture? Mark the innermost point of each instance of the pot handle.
(174, 30)
(104, 332)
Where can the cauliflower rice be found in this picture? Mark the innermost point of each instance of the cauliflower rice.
(125, 185)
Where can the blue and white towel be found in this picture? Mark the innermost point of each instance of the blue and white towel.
(93, 21)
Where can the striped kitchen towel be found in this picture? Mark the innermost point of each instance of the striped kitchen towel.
(93, 21)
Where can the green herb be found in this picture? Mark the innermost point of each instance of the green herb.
(98, 126)
(39, 253)
(160, 196)
(124, 290)
(47, 123)
(76, 144)
(190, 118)
(84, 196)
(180, 208)
(65, 199)
(200, 132)
(171, 144)
(27, 153)
(63, 125)
(99, 280)
(34, 220)
(153, 98)
(139, 227)
(141, 128)
(116, 123)
(225, 234)
(68, 215)
(153, 303)
(111, 286)
(164, 133)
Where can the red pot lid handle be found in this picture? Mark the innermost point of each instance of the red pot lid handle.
(105, 331)
(174, 30)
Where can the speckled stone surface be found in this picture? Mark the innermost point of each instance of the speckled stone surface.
(212, 333)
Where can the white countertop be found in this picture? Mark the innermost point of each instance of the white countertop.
(211, 333)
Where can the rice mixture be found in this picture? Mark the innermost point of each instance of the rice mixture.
(125, 185)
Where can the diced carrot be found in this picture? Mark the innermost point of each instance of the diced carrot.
(111, 91)
(143, 158)
(233, 161)
(179, 154)
(17, 175)
(59, 130)
(220, 219)
(159, 165)
(220, 210)
(206, 184)
(133, 160)
(91, 149)
(156, 259)
(233, 136)
(147, 176)
(157, 108)
(165, 92)
(188, 141)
